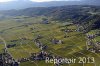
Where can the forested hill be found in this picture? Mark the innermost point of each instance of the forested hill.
(78, 14)
(53, 11)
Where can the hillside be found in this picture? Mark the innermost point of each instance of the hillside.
(77, 14)
(29, 36)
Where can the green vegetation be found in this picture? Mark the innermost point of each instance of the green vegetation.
(74, 45)
(61, 23)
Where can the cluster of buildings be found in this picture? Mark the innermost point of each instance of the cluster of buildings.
(55, 41)
(91, 45)
(39, 43)
(7, 60)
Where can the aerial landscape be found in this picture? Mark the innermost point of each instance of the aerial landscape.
(49, 33)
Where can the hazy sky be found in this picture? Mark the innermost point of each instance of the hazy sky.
(5, 0)
(39, 0)
(52, 0)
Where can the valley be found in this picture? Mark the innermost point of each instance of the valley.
(30, 38)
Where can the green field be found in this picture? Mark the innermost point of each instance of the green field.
(73, 46)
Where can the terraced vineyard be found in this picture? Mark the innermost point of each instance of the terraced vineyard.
(23, 31)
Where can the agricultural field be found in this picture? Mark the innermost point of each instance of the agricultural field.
(22, 31)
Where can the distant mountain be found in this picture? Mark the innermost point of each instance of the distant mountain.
(16, 5)
(91, 2)
(22, 4)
